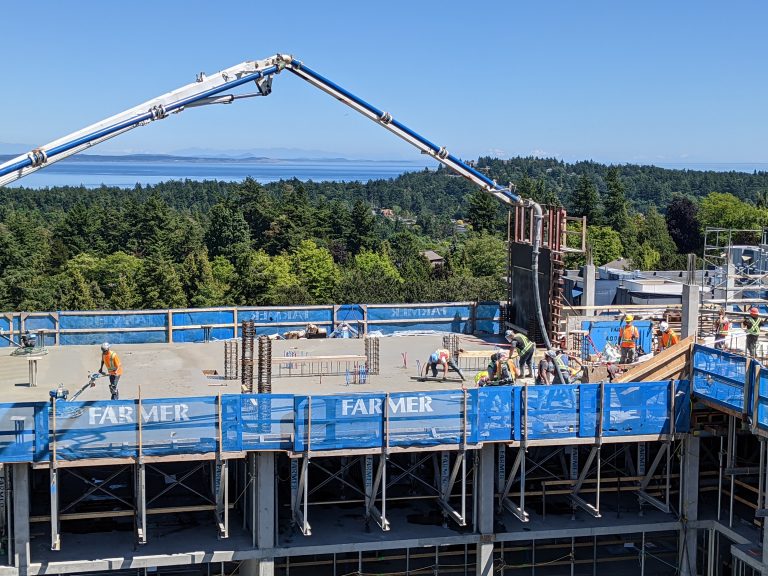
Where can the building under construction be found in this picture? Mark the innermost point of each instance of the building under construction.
(257, 455)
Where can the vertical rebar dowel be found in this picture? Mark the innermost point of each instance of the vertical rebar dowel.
(247, 356)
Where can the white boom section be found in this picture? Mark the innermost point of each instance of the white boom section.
(205, 90)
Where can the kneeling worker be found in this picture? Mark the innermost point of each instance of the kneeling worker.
(441, 357)
(111, 361)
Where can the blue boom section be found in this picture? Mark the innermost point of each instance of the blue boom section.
(29, 432)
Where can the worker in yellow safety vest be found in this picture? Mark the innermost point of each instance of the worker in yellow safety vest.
(752, 325)
(525, 348)
(667, 337)
(111, 361)
(628, 337)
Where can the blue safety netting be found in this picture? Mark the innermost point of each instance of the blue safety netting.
(102, 429)
(110, 428)
(553, 411)
(23, 432)
(762, 399)
(258, 422)
(335, 422)
(496, 413)
(432, 418)
(636, 409)
(720, 377)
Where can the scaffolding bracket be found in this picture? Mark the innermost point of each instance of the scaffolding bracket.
(446, 485)
(222, 497)
(504, 499)
(643, 495)
(299, 494)
(141, 501)
(372, 484)
(577, 500)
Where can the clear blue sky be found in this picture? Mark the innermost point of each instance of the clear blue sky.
(651, 81)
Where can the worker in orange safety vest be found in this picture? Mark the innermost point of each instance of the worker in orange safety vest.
(628, 337)
(722, 329)
(111, 361)
(667, 337)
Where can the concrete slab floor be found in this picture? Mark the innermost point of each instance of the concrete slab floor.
(175, 370)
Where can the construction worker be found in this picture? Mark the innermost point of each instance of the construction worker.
(441, 357)
(722, 329)
(667, 337)
(111, 361)
(501, 369)
(628, 337)
(525, 350)
(752, 325)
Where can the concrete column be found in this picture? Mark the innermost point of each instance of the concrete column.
(265, 516)
(589, 290)
(485, 505)
(689, 324)
(21, 517)
(690, 503)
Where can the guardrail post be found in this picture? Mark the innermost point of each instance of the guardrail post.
(170, 326)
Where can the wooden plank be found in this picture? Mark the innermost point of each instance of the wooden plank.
(310, 359)
(662, 366)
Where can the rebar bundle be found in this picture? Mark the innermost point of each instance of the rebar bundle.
(265, 366)
(451, 343)
(372, 354)
(246, 372)
(231, 359)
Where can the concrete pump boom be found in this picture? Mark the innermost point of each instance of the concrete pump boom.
(210, 90)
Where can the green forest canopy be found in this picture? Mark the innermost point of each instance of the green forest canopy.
(207, 243)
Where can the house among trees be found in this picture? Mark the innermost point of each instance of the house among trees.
(434, 259)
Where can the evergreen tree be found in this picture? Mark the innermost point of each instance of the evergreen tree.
(483, 211)
(683, 225)
(361, 232)
(615, 201)
(586, 200)
(226, 229)
(75, 291)
(200, 287)
(159, 283)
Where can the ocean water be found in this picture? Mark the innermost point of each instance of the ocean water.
(126, 174)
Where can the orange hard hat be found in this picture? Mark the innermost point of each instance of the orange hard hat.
(753, 311)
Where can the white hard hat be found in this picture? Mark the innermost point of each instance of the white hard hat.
(105, 347)
(663, 326)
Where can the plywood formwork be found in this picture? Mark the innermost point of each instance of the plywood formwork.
(670, 364)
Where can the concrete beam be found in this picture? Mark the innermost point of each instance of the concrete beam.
(21, 517)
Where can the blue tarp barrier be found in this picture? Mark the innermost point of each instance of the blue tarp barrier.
(110, 428)
(602, 331)
(720, 377)
(102, 429)
(636, 409)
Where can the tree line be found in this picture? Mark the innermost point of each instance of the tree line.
(207, 243)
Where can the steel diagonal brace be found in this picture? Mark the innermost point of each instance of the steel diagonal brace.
(337, 476)
(504, 500)
(180, 482)
(445, 490)
(372, 485)
(96, 488)
(574, 496)
(409, 472)
(642, 494)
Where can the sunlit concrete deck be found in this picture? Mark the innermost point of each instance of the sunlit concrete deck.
(174, 370)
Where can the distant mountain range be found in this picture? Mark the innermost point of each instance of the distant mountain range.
(170, 158)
